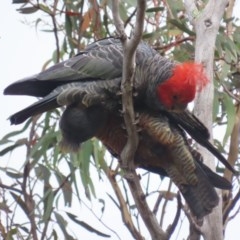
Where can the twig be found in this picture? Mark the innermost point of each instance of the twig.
(174, 44)
(195, 229)
(156, 206)
(231, 206)
(55, 30)
(165, 204)
(130, 17)
(127, 219)
(234, 214)
(80, 24)
(9, 188)
(229, 14)
(230, 94)
(44, 232)
(28, 197)
(117, 20)
(172, 227)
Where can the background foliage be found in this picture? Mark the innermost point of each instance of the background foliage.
(47, 197)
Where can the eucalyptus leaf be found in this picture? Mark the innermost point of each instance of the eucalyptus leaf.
(231, 115)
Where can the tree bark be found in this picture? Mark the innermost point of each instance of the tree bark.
(206, 22)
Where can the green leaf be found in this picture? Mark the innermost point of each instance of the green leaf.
(99, 153)
(13, 231)
(215, 105)
(86, 226)
(4, 207)
(66, 188)
(46, 142)
(152, 35)
(27, 10)
(8, 149)
(48, 199)
(62, 223)
(14, 175)
(19, 1)
(12, 134)
(123, 11)
(82, 160)
(182, 26)
(42, 173)
(45, 8)
(218, 46)
(230, 111)
(20, 202)
(155, 9)
(230, 50)
(225, 70)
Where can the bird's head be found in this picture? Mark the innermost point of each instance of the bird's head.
(180, 89)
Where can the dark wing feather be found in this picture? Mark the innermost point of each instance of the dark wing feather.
(45, 104)
(195, 128)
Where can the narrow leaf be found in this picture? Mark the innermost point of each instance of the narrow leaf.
(62, 223)
(27, 10)
(230, 111)
(86, 226)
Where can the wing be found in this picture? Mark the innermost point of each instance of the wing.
(101, 60)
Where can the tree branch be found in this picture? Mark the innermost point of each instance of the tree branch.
(231, 206)
(124, 210)
(172, 227)
(127, 155)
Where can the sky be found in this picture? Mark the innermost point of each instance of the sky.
(23, 51)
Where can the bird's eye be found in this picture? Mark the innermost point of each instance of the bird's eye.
(175, 97)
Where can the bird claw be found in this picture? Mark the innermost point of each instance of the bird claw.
(121, 112)
(119, 93)
(139, 129)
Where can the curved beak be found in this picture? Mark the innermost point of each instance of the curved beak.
(179, 107)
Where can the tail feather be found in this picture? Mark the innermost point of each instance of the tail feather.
(32, 86)
(43, 105)
(199, 133)
(201, 197)
(216, 180)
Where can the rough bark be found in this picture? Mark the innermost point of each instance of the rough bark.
(206, 22)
